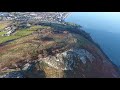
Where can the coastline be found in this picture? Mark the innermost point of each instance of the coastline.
(67, 14)
(110, 60)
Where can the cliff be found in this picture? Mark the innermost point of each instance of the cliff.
(55, 51)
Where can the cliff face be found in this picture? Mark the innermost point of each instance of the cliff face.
(51, 53)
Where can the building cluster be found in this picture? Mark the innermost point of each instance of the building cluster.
(10, 29)
(40, 16)
(25, 17)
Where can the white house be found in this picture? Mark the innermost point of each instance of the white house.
(9, 32)
(8, 28)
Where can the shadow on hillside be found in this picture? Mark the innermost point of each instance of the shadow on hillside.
(23, 74)
(35, 74)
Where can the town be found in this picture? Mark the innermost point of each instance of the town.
(23, 19)
(40, 16)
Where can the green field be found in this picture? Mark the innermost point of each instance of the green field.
(18, 34)
(1, 33)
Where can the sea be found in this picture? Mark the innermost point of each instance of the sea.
(104, 28)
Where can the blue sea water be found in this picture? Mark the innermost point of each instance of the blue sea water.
(104, 28)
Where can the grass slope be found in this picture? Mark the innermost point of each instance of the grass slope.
(18, 34)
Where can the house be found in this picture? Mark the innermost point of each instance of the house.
(4, 35)
(28, 25)
(8, 33)
(8, 28)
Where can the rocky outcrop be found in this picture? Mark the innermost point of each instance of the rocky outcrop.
(75, 62)
(66, 60)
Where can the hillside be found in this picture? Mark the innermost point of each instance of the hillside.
(52, 50)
